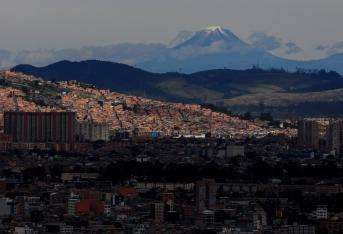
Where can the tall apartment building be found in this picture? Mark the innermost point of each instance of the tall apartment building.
(54, 127)
(7, 206)
(72, 201)
(5, 142)
(259, 218)
(92, 131)
(234, 151)
(308, 133)
(206, 191)
(159, 212)
(334, 136)
(321, 212)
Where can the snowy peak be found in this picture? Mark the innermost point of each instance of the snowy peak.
(215, 28)
(218, 30)
(211, 35)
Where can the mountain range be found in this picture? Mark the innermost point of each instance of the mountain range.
(282, 93)
(218, 48)
(210, 48)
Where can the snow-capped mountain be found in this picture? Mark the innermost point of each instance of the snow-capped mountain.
(210, 48)
(211, 35)
(216, 48)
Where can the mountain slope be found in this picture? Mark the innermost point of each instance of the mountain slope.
(213, 86)
(230, 83)
(315, 104)
(118, 110)
(94, 72)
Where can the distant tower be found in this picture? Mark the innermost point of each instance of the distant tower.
(334, 136)
(259, 218)
(206, 191)
(159, 212)
(72, 201)
(308, 133)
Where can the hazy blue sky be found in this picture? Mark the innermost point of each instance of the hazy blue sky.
(34, 24)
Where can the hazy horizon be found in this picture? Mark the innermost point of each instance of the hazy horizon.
(71, 24)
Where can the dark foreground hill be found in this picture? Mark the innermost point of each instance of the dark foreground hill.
(222, 87)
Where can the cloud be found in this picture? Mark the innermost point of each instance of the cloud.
(4, 53)
(194, 51)
(292, 48)
(337, 45)
(335, 48)
(38, 57)
(322, 47)
(5, 57)
(125, 53)
(264, 41)
(181, 38)
(331, 49)
(268, 42)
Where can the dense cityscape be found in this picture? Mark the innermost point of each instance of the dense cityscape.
(171, 117)
(70, 171)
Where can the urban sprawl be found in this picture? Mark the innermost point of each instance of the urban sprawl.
(75, 159)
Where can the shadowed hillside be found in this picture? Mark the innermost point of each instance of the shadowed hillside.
(213, 86)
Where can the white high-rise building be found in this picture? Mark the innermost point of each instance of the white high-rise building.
(72, 201)
(321, 212)
(92, 131)
(159, 212)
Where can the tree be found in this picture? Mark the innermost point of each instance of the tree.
(266, 117)
(247, 116)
